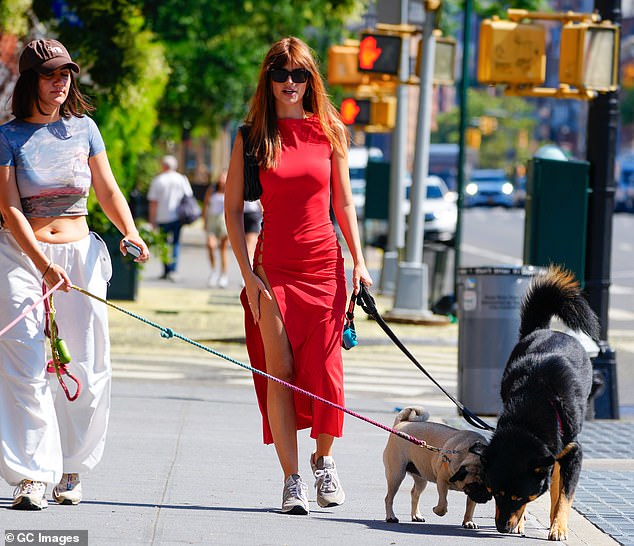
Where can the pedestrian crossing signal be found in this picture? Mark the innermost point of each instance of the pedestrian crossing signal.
(355, 111)
(380, 53)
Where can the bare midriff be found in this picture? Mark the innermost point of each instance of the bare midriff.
(59, 229)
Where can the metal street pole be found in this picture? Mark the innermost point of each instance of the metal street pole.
(603, 119)
(396, 221)
(464, 113)
(411, 297)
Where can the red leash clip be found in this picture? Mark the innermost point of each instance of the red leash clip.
(59, 350)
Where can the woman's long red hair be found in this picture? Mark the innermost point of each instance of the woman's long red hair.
(262, 116)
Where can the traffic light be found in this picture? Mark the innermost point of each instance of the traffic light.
(473, 137)
(343, 65)
(376, 114)
(355, 111)
(511, 53)
(383, 112)
(380, 53)
(444, 60)
(589, 56)
(488, 125)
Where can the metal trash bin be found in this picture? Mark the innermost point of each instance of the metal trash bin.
(489, 301)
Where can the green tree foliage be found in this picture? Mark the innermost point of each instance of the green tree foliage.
(124, 71)
(500, 148)
(13, 16)
(215, 48)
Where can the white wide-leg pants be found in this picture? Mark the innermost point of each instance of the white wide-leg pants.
(42, 434)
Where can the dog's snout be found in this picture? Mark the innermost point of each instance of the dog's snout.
(503, 526)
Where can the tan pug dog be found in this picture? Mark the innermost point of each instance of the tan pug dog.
(460, 471)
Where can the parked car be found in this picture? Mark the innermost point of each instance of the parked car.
(440, 209)
(488, 187)
(358, 158)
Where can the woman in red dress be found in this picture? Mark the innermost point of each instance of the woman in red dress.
(295, 290)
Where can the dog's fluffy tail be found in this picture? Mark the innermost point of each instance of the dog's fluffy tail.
(557, 292)
(412, 414)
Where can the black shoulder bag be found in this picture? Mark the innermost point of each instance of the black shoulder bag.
(252, 186)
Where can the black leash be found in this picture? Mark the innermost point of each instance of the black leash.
(366, 302)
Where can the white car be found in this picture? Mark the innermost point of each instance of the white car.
(358, 158)
(440, 209)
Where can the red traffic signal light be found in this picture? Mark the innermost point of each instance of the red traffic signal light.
(380, 53)
(355, 111)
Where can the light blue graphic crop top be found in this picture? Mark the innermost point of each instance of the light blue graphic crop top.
(51, 163)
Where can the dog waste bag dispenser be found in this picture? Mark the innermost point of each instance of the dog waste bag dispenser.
(489, 300)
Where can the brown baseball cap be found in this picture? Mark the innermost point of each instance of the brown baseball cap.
(44, 56)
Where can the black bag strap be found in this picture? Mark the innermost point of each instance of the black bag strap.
(252, 186)
(366, 302)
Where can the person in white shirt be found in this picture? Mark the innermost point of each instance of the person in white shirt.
(165, 194)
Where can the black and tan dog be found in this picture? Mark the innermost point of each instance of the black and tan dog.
(457, 468)
(545, 389)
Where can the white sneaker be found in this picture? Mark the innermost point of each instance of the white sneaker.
(213, 280)
(329, 490)
(29, 495)
(295, 496)
(223, 282)
(68, 490)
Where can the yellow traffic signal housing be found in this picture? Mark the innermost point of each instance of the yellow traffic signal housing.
(473, 137)
(343, 65)
(444, 60)
(383, 112)
(511, 53)
(589, 56)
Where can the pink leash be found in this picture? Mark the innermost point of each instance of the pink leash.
(30, 308)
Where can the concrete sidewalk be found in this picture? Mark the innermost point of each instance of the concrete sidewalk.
(185, 464)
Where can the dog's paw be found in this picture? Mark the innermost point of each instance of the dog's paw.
(470, 525)
(558, 533)
(391, 520)
(418, 517)
(440, 510)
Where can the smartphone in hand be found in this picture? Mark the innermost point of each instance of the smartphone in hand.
(132, 249)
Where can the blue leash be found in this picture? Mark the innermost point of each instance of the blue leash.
(168, 333)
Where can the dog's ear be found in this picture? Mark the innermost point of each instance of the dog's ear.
(460, 475)
(543, 466)
(477, 448)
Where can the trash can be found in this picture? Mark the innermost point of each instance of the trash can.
(489, 301)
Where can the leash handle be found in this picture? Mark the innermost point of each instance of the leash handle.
(60, 355)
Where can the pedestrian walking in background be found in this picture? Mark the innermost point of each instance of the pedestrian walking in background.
(164, 196)
(51, 153)
(214, 218)
(295, 290)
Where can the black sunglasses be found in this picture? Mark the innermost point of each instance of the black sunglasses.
(280, 75)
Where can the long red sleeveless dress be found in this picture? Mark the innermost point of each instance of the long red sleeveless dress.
(300, 254)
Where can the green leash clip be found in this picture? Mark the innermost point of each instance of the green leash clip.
(61, 350)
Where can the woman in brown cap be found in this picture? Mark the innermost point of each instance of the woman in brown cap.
(51, 154)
